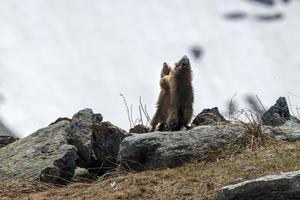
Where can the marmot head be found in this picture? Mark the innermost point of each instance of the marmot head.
(183, 65)
(165, 70)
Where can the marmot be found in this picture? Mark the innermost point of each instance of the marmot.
(163, 102)
(180, 109)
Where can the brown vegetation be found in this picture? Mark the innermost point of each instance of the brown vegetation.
(192, 181)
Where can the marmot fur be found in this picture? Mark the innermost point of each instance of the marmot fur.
(162, 105)
(180, 109)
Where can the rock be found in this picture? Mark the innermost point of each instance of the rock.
(83, 175)
(272, 187)
(170, 149)
(97, 142)
(280, 124)
(97, 118)
(81, 134)
(5, 140)
(208, 117)
(289, 131)
(278, 114)
(106, 142)
(42, 156)
(139, 129)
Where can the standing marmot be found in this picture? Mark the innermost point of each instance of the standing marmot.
(163, 101)
(180, 109)
(175, 101)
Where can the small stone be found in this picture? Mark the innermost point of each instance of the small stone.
(208, 117)
(83, 175)
(139, 129)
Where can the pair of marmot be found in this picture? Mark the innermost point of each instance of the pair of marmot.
(175, 101)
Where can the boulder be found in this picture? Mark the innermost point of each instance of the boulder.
(170, 149)
(81, 135)
(44, 155)
(272, 187)
(106, 142)
(208, 117)
(289, 131)
(97, 142)
(5, 140)
(278, 114)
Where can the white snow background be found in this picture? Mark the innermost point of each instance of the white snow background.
(60, 56)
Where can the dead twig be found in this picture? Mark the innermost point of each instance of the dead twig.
(127, 109)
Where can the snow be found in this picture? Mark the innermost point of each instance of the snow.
(60, 56)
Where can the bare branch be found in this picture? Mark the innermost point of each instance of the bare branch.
(127, 109)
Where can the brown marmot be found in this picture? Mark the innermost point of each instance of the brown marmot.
(180, 109)
(163, 102)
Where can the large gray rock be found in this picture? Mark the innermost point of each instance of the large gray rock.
(170, 149)
(273, 187)
(278, 114)
(106, 143)
(81, 135)
(289, 131)
(43, 155)
(97, 142)
(5, 140)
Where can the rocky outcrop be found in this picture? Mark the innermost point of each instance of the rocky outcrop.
(208, 117)
(93, 147)
(44, 155)
(52, 154)
(278, 114)
(97, 142)
(273, 187)
(169, 149)
(5, 140)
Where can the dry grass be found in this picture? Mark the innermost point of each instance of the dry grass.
(255, 136)
(192, 181)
